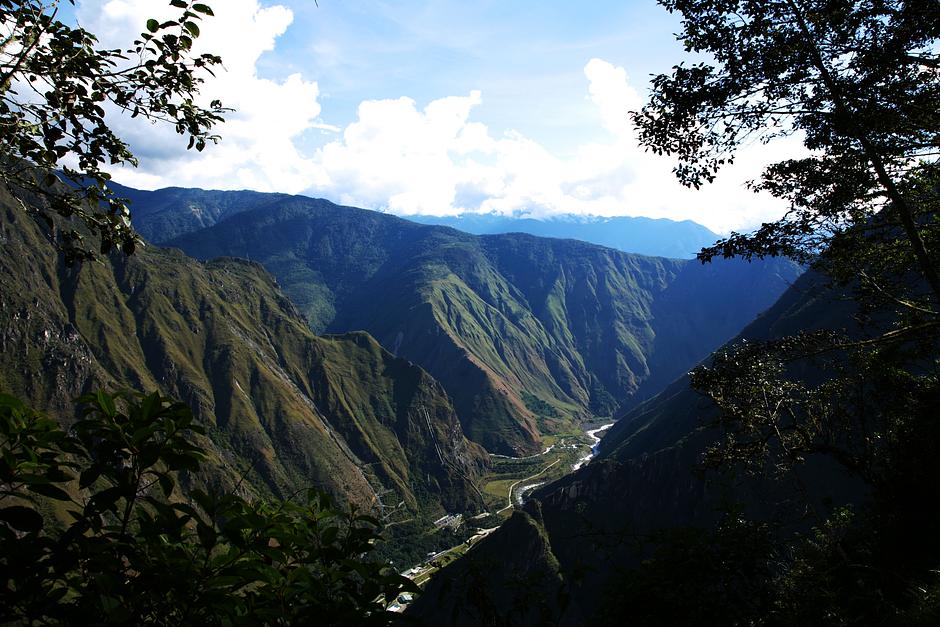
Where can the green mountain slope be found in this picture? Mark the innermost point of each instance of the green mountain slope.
(174, 211)
(646, 480)
(509, 324)
(284, 408)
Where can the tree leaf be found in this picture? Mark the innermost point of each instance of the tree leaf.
(21, 518)
(53, 492)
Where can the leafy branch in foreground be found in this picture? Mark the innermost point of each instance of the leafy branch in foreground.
(57, 88)
(92, 524)
(857, 81)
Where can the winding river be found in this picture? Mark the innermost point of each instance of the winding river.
(595, 447)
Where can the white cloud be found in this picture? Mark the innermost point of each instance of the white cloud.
(257, 150)
(405, 159)
(437, 160)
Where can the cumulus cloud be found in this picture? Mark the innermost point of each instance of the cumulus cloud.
(258, 149)
(405, 158)
(437, 160)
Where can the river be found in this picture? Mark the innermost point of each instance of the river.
(595, 447)
(422, 571)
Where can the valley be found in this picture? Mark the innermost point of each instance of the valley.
(502, 486)
(529, 336)
(541, 347)
(469, 314)
(454, 374)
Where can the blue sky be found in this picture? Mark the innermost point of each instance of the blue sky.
(437, 107)
(527, 58)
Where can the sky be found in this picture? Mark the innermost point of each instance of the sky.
(437, 107)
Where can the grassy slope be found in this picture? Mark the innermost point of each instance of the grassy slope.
(497, 319)
(294, 408)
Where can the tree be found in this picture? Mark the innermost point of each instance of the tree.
(860, 81)
(124, 548)
(58, 87)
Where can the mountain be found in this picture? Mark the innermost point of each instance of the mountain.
(526, 334)
(167, 213)
(644, 236)
(284, 409)
(593, 522)
(161, 215)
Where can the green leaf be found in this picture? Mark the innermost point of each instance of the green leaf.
(21, 518)
(207, 535)
(12, 402)
(153, 25)
(105, 500)
(204, 9)
(225, 581)
(53, 492)
(144, 433)
(166, 484)
(88, 476)
(192, 28)
(106, 402)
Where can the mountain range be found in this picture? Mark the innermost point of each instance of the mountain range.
(284, 408)
(526, 334)
(581, 536)
(643, 236)
(163, 214)
(377, 358)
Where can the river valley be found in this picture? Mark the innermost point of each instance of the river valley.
(513, 479)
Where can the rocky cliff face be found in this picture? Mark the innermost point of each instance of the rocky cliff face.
(284, 408)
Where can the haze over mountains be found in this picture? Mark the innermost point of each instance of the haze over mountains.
(643, 236)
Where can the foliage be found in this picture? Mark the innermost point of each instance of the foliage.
(697, 577)
(859, 82)
(57, 88)
(817, 393)
(92, 524)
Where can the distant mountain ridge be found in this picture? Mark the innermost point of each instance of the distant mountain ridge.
(656, 237)
(526, 334)
(163, 214)
(173, 211)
